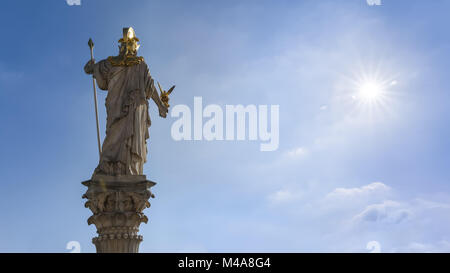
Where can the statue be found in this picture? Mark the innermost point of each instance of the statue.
(127, 79)
(118, 192)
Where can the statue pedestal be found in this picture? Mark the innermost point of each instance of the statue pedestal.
(117, 203)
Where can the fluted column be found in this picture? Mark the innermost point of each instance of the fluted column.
(117, 204)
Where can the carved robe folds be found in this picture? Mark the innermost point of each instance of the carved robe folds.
(124, 149)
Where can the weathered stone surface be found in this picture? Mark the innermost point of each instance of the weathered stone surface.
(117, 204)
(118, 191)
(127, 79)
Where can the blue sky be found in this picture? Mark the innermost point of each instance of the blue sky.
(345, 173)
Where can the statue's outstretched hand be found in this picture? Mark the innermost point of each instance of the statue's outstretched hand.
(89, 67)
(163, 110)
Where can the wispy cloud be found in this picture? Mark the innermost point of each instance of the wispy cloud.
(366, 191)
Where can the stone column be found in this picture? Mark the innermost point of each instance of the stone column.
(117, 203)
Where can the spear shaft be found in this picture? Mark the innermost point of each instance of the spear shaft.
(91, 46)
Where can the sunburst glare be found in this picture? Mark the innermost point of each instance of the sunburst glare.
(370, 91)
(373, 92)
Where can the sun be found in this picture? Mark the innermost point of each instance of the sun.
(370, 91)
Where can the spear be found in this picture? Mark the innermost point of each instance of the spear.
(91, 46)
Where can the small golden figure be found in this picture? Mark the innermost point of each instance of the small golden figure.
(165, 95)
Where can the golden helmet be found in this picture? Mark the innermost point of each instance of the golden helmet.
(129, 36)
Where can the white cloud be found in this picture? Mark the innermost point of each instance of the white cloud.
(347, 218)
(376, 188)
(73, 2)
(387, 212)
